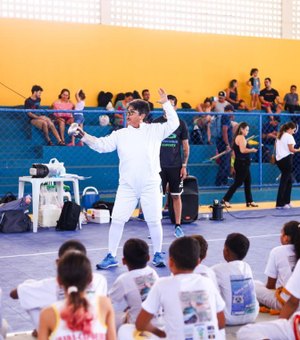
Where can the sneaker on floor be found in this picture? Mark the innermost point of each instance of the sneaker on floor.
(286, 206)
(158, 260)
(178, 232)
(107, 262)
(279, 207)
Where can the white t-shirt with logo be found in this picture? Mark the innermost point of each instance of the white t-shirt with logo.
(236, 286)
(132, 288)
(190, 304)
(282, 145)
(204, 270)
(281, 263)
(293, 284)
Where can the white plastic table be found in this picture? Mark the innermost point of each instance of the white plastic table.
(36, 186)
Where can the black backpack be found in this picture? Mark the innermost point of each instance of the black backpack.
(69, 217)
(8, 197)
(14, 221)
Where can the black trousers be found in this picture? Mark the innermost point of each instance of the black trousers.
(242, 175)
(285, 166)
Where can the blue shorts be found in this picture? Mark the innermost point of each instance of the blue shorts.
(78, 118)
(254, 91)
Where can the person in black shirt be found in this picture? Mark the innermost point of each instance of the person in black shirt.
(41, 122)
(241, 166)
(173, 167)
(269, 98)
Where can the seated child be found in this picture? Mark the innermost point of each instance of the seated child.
(281, 263)
(132, 288)
(192, 306)
(37, 294)
(235, 281)
(202, 268)
(285, 328)
(78, 316)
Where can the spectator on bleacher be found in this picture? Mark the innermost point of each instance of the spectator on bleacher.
(131, 288)
(285, 148)
(254, 82)
(37, 294)
(232, 93)
(146, 97)
(78, 114)
(224, 139)
(269, 132)
(291, 100)
(203, 122)
(80, 315)
(63, 118)
(269, 98)
(191, 303)
(138, 147)
(174, 155)
(235, 280)
(121, 105)
(242, 164)
(220, 103)
(38, 120)
(280, 266)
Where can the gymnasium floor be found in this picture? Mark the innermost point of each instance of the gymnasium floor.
(25, 256)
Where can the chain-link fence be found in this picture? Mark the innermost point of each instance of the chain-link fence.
(23, 144)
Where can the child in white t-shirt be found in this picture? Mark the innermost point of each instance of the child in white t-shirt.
(281, 263)
(34, 295)
(202, 268)
(78, 114)
(192, 306)
(131, 288)
(235, 280)
(285, 328)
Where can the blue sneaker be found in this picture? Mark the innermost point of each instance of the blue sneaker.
(178, 232)
(107, 262)
(158, 260)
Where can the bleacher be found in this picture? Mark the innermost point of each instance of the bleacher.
(22, 145)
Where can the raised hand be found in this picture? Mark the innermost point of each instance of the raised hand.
(163, 96)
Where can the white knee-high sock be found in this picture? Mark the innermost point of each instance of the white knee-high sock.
(114, 236)
(156, 233)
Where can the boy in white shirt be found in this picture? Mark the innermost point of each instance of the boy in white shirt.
(34, 295)
(132, 288)
(287, 327)
(235, 280)
(202, 268)
(193, 308)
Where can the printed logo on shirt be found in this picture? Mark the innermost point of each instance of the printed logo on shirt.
(243, 295)
(144, 283)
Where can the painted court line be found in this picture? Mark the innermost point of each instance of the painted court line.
(100, 249)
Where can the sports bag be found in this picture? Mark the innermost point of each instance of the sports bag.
(69, 216)
(8, 197)
(15, 221)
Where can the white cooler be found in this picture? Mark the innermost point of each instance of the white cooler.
(98, 215)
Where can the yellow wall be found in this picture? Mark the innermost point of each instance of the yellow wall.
(96, 57)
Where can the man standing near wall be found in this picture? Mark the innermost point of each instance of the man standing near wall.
(173, 167)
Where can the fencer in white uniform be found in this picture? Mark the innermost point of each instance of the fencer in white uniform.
(138, 148)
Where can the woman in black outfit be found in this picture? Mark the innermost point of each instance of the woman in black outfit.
(285, 148)
(241, 166)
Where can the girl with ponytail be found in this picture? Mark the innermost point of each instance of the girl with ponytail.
(79, 315)
(280, 266)
(284, 150)
(242, 163)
